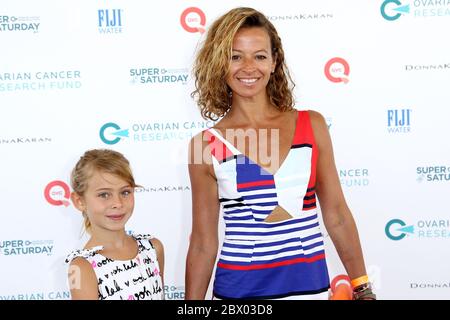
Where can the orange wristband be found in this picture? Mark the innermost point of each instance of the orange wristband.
(359, 281)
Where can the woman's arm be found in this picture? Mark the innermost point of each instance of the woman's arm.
(205, 218)
(336, 215)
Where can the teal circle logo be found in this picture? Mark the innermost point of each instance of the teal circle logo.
(117, 132)
(399, 9)
(399, 228)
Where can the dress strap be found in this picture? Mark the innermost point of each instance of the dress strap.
(84, 253)
(142, 236)
(221, 149)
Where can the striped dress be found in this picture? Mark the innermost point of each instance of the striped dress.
(262, 259)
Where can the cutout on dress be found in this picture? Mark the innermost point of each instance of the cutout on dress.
(278, 214)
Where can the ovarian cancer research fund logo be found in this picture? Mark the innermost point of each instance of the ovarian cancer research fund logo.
(397, 229)
(37, 295)
(43, 80)
(354, 177)
(112, 133)
(392, 10)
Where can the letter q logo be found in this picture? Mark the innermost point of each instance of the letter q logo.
(193, 20)
(57, 193)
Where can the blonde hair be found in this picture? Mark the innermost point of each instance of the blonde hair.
(213, 61)
(104, 160)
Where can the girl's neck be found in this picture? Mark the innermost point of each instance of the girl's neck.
(108, 239)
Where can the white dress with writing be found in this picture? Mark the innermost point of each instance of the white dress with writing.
(135, 279)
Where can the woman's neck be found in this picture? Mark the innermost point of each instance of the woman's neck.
(252, 112)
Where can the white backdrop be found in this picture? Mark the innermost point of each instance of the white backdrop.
(76, 75)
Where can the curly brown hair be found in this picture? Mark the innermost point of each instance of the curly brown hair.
(213, 61)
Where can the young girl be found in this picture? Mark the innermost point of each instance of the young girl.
(112, 265)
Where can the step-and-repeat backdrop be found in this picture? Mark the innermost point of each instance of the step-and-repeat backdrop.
(76, 75)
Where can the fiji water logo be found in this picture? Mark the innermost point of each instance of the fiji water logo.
(111, 133)
(433, 173)
(399, 120)
(57, 193)
(354, 177)
(26, 247)
(151, 76)
(174, 292)
(110, 21)
(393, 9)
(397, 229)
(337, 70)
(19, 24)
(193, 20)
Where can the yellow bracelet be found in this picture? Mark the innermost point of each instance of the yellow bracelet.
(359, 281)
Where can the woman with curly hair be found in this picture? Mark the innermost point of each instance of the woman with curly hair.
(262, 166)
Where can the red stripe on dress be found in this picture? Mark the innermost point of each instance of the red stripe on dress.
(309, 201)
(255, 184)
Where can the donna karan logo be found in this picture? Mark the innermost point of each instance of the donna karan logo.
(427, 67)
(430, 285)
(24, 140)
(163, 188)
(300, 16)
